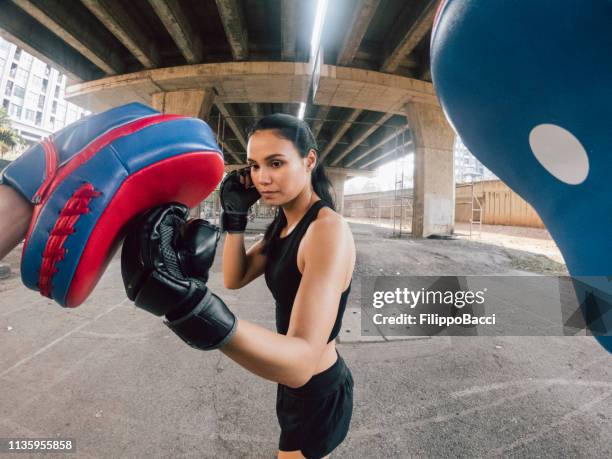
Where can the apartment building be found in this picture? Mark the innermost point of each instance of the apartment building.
(467, 167)
(32, 92)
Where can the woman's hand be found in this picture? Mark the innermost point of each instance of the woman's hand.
(237, 195)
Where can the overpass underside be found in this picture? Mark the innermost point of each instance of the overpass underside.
(230, 62)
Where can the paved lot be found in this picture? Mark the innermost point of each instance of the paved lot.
(116, 380)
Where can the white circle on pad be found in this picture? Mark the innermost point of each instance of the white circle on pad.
(560, 153)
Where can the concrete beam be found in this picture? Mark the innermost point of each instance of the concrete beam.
(255, 111)
(128, 31)
(264, 82)
(377, 145)
(411, 39)
(218, 127)
(176, 20)
(350, 172)
(232, 123)
(365, 143)
(289, 27)
(226, 148)
(369, 90)
(426, 75)
(386, 154)
(19, 28)
(235, 27)
(340, 132)
(360, 21)
(370, 53)
(89, 39)
(361, 137)
(194, 103)
(320, 121)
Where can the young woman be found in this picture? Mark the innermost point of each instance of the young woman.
(307, 255)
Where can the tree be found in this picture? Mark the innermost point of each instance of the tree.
(9, 137)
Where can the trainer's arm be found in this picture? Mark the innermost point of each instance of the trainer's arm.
(292, 359)
(15, 215)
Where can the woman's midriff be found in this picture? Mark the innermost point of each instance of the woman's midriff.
(328, 358)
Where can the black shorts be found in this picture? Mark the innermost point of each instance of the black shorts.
(315, 418)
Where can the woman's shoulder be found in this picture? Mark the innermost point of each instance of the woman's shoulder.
(329, 224)
(328, 215)
(328, 239)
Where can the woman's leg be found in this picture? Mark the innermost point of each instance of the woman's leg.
(294, 455)
(290, 454)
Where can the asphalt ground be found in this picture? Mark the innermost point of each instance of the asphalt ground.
(120, 384)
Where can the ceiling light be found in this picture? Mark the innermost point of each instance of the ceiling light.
(315, 40)
(302, 110)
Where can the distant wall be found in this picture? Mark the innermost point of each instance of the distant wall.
(501, 205)
(377, 204)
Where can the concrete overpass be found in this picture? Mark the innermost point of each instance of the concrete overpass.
(232, 61)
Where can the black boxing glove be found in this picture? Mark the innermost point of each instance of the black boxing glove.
(164, 265)
(196, 243)
(236, 200)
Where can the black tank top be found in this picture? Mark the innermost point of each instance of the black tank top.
(283, 276)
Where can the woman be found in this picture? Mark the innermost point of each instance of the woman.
(308, 256)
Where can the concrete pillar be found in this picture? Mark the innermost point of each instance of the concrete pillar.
(194, 103)
(337, 179)
(434, 178)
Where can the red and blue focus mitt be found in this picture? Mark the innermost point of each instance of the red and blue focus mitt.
(90, 179)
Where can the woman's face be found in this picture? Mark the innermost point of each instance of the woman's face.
(278, 171)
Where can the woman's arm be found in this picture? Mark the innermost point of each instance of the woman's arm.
(292, 359)
(239, 265)
(16, 214)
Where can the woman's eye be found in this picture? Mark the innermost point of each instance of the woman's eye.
(276, 163)
(254, 167)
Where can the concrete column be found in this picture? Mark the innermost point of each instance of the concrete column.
(194, 103)
(337, 179)
(434, 178)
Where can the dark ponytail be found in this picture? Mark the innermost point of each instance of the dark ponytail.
(296, 131)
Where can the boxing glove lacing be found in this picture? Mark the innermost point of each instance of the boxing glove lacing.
(54, 252)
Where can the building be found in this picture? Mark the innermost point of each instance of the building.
(32, 93)
(467, 167)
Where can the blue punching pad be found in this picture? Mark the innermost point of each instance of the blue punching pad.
(527, 85)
